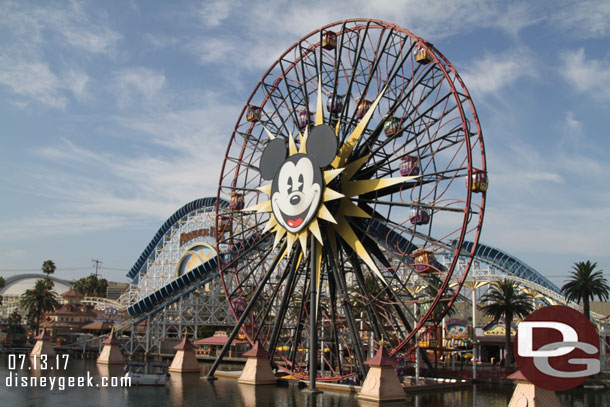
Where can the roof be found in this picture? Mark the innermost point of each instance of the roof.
(72, 293)
(62, 324)
(217, 340)
(381, 358)
(517, 376)
(112, 339)
(98, 326)
(17, 284)
(185, 344)
(72, 309)
(44, 335)
(257, 351)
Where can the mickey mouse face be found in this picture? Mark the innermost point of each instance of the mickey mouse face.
(296, 192)
(297, 188)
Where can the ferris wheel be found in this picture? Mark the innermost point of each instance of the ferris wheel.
(357, 159)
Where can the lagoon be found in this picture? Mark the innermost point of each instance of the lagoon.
(195, 390)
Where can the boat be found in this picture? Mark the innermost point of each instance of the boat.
(143, 374)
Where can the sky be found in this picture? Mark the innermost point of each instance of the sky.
(115, 114)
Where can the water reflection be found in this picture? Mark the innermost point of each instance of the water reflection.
(183, 386)
(192, 390)
(252, 396)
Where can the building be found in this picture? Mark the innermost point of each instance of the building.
(67, 321)
(16, 285)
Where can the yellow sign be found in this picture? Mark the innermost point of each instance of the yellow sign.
(498, 330)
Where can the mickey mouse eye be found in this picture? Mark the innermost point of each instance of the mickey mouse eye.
(300, 183)
(290, 186)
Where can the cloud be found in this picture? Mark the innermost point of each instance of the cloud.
(260, 32)
(589, 76)
(159, 40)
(215, 11)
(36, 81)
(585, 18)
(137, 83)
(30, 32)
(175, 156)
(490, 74)
(68, 24)
(551, 230)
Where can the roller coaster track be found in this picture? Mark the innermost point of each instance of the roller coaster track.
(138, 267)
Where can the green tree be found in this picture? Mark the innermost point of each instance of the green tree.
(48, 267)
(504, 300)
(39, 299)
(2, 283)
(13, 323)
(91, 286)
(585, 284)
(429, 293)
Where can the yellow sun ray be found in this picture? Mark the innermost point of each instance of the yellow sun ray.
(347, 234)
(271, 224)
(292, 148)
(354, 188)
(314, 228)
(265, 189)
(347, 208)
(324, 213)
(303, 240)
(271, 136)
(331, 195)
(279, 234)
(329, 175)
(303, 141)
(290, 239)
(353, 167)
(264, 206)
(319, 106)
(349, 144)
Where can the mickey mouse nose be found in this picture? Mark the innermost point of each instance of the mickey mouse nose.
(295, 200)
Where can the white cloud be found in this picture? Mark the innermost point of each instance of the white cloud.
(32, 81)
(213, 12)
(525, 228)
(260, 32)
(589, 76)
(70, 23)
(26, 67)
(144, 183)
(586, 18)
(57, 224)
(137, 83)
(36, 81)
(493, 72)
(159, 40)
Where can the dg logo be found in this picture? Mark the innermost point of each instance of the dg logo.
(557, 348)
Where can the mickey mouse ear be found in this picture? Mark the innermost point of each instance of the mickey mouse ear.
(322, 144)
(273, 157)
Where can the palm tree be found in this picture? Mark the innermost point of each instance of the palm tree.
(91, 286)
(39, 299)
(506, 301)
(585, 284)
(48, 267)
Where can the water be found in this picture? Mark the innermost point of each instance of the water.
(191, 390)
